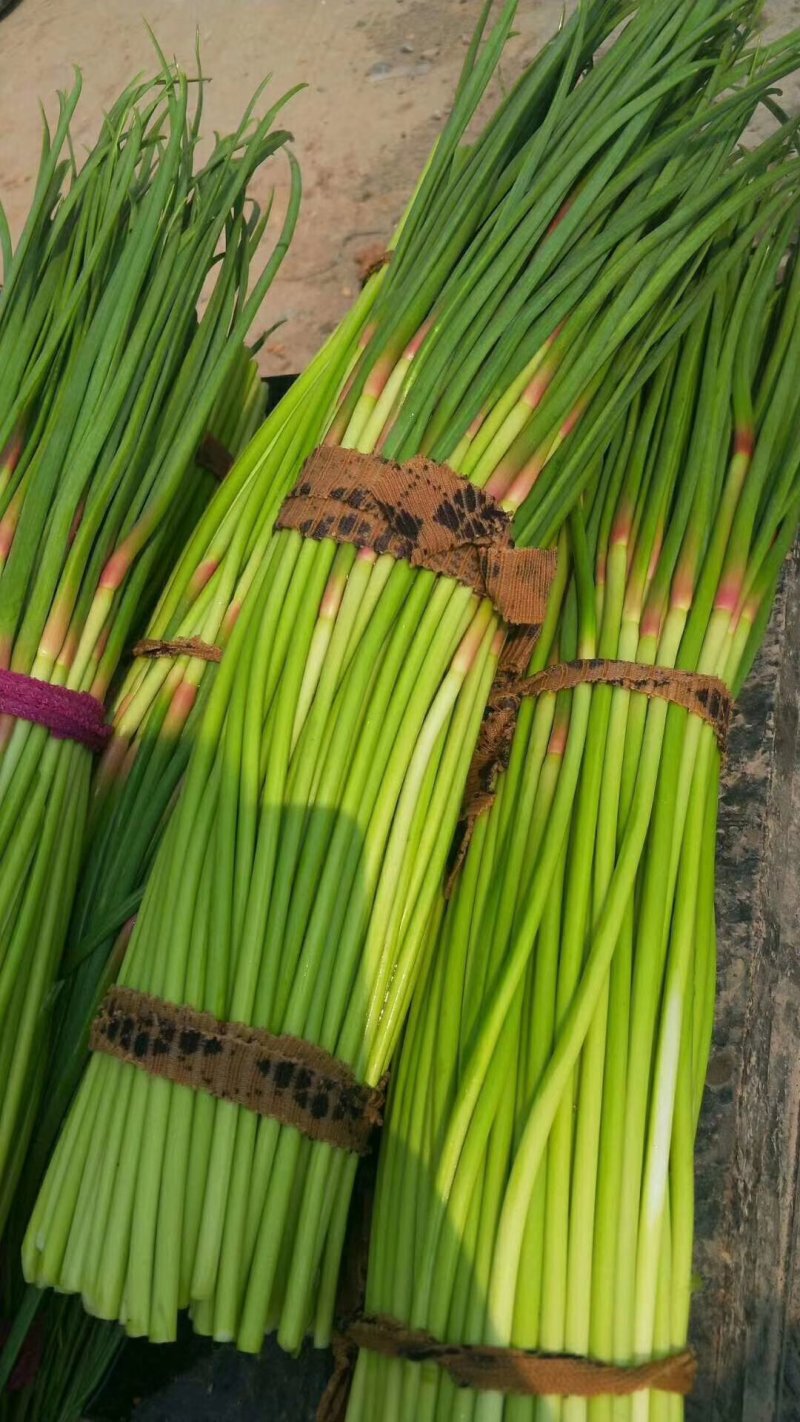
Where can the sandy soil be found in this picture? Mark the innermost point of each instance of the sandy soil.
(380, 74)
(379, 77)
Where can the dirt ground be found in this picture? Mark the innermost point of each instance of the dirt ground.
(379, 76)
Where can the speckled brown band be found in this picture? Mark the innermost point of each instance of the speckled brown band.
(296, 1082)
(514, 1372)
(705, 696)
(426, 514)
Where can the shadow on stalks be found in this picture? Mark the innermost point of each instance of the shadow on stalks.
(61, 1355)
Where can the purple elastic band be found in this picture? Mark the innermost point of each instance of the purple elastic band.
(68, 715)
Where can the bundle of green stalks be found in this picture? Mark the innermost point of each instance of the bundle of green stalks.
(59, 1393)
(110, 383)
(536, 1179)
(160, 702)
(564, 249)
(77, 1352)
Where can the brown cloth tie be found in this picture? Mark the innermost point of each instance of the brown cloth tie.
(294, 1081)
(425, 514)
(511, 1371)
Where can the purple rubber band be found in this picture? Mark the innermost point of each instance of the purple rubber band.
(68, 715)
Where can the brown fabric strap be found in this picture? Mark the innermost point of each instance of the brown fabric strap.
(294, 1081)
(427, 515)
(333, 1403)
(213, 456)
(518, 648)
(178, 647)
(703, 696)
(510, 1371)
